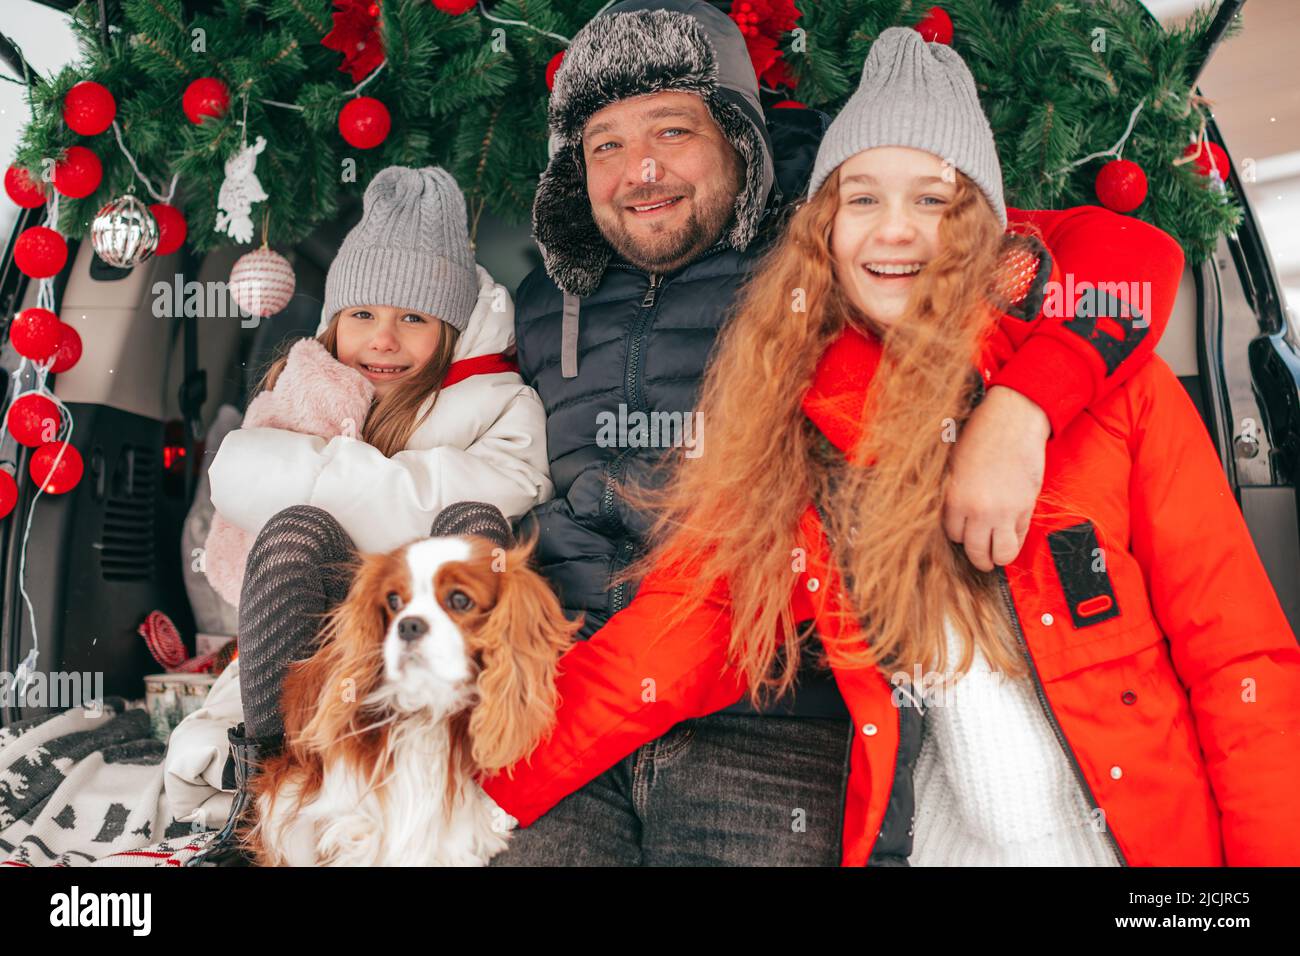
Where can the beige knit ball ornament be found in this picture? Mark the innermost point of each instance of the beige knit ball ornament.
(262, 282)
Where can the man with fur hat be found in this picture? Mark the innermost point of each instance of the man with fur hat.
(666, 182)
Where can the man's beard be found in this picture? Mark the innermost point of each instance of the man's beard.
(670, 249)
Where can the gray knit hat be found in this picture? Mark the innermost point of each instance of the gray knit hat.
(410, 250)
(921, 95)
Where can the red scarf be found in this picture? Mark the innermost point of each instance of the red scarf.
(479, 365)
(835, 399)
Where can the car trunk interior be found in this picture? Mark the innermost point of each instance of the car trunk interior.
(101, 557)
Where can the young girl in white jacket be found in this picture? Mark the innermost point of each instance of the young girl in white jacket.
(405, 402)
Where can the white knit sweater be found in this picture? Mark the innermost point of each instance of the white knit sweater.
(993, 785)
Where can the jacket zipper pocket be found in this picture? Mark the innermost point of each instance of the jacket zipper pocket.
(1047, 709)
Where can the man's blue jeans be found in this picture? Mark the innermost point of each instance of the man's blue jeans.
(722, 790)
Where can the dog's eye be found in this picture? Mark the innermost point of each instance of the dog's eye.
(459, 601)
(394, 601)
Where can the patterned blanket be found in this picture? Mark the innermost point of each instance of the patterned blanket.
(85, 787)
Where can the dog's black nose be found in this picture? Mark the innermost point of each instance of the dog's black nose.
(412, 628)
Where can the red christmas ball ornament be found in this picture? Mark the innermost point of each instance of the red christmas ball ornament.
(89, 108)
(552, 68)
(171, 228)
(55, 479)
(8, 493)
(936, 26)
(206, 96)
(33, 419)
(40, 252)
(79, 173)
(1210, 158)
(22, 189)
(455, 7)
(789, 105)
(364, 122)
(35, 334)
(69, 351)
(1121, 185)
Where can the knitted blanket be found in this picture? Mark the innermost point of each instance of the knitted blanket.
(85, 787)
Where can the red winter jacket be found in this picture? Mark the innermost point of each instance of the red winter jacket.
(1172, 676)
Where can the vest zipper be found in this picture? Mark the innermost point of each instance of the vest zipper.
(625, 548)
(632, 376)
(649, 299)
(618, 598)
(611, 476)
(1047, 709)
(631, 385)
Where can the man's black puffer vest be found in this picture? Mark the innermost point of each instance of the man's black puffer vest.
(643, 342)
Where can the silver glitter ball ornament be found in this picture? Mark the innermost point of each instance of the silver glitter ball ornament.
(124, 232)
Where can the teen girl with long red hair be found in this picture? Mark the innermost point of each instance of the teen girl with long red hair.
(1125, 691)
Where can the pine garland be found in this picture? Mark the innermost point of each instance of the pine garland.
(468, 93)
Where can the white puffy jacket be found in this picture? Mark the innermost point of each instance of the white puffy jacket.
(484, 440)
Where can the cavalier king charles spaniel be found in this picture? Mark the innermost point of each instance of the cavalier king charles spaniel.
(439, 666)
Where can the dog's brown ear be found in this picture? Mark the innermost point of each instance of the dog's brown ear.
(322, 695)
(520, 645)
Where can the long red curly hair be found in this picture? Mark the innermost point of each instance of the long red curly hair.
(732, 513)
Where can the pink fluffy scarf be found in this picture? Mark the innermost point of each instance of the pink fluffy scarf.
(314, 395)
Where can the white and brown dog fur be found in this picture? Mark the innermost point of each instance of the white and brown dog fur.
(438, 667)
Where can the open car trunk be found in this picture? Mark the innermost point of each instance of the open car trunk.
(104, 555)
(101, 557)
